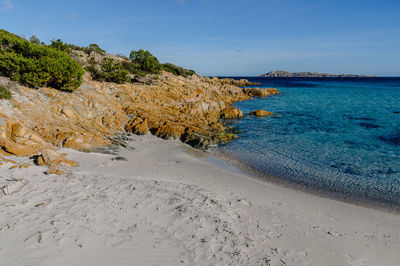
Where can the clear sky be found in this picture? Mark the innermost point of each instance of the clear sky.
(225, 37)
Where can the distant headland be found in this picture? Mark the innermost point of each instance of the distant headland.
(280, 73)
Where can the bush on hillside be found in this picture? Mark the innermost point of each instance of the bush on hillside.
(133, 68)
(109, 71)
(144, 61)
(34, 39)
(4, 93)
(60, 45)
(177, 70)
(93, 48)
(66, 47)
(36, 65)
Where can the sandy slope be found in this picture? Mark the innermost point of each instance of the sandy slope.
(166, 204)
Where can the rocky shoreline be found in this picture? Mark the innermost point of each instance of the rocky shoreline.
(37, 122)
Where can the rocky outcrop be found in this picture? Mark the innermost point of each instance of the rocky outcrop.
(137, 126)
(169, 130)
(16, 149)
(36, 123)
(231, 113)
(197, 138)
(280, 73)
(260, 92)
(260, 113)
(18, 140)
(230, 81)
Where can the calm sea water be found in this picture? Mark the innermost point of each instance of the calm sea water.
(336, 135)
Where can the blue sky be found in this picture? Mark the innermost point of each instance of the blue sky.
(226, 37)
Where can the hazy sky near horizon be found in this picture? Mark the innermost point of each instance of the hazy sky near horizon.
(226, 37)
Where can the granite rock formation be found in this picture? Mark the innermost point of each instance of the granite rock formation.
(37, 122)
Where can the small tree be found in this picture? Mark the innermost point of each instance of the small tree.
(95, 48)
(145, 61)
(34, 39)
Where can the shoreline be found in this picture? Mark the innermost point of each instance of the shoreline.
(340, 193)
(242, 167)
(161, 201)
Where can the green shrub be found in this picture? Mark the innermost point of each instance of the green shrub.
(177, 70)
(66, 47)
(60, 45)
(36, 65)
(144, 61)
(133, 68)
(94, 48)
(4, 93)
(110, 71)
(34, 39)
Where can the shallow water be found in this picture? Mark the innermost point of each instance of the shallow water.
(335, 135)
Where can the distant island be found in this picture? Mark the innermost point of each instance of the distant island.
(280, 73)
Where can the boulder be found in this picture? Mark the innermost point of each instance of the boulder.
(260, 113)
(231, 113)
(17, 149)
(52, 158)
(197, 138)
(260, 92)
(84, 141)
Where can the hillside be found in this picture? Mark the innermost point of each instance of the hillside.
(35, 122)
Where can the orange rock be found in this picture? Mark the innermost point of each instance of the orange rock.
(85, 141)
(231, 112)
(25, 136)
(260, 113)
(54, 171)
(260, 92)
(17, 149)
(137, 126)
(169, 130)
(51, 158)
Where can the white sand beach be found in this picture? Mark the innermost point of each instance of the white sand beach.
(164, 203)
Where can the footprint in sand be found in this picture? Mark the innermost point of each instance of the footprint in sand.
(335, 233)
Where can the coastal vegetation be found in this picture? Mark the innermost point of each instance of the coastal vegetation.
(139, 64)
(66, 47)
(177, 70)
(144, 61)
(4, 94)
(59, 65)
(36, 65)
(110, 71)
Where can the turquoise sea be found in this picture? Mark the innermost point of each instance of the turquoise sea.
(336, 136)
